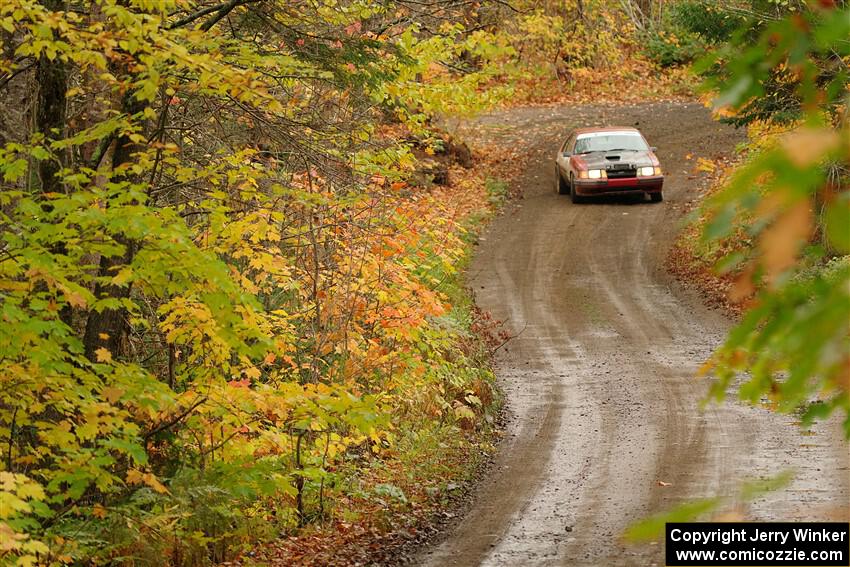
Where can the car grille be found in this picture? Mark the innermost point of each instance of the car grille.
(620, 171)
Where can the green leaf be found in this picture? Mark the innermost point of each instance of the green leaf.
(653, 527)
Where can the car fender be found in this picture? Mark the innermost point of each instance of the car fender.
(560, 163)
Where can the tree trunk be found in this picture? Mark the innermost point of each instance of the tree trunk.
(50, 117)
(109, 327)
(52, 80)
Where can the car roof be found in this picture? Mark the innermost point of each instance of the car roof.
(605, 129)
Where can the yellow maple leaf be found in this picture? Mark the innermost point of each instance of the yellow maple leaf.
(112, 394)
(151, 480)
(122, 277)
(74, 299)
(103, 355)
(134, 476)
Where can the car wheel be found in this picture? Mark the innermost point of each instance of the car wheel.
(656, 197)
(562, 187)
(575, 197)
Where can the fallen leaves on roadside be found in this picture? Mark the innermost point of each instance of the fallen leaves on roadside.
(647, 81)
(695, 267)
(705, 165)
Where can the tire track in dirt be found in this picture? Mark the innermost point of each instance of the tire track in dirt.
(599, 381)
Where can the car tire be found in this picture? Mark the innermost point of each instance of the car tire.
(575, 197)
(562, 187)
(656, 197)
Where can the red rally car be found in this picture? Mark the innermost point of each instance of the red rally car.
(607, 161)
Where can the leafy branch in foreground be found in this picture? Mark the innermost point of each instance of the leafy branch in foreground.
(653, 527)
(792, 201)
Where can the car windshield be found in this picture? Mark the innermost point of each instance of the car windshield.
(610, 141)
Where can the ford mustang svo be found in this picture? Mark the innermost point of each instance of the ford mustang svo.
(607, 161)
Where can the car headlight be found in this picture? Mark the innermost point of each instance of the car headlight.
(648, 171)
(593, 174)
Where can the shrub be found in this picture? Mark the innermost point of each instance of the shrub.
(687, 29)
(672, 46)
(713, 24)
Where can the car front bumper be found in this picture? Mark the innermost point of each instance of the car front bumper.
(588, 187)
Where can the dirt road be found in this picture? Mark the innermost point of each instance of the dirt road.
(600, 379)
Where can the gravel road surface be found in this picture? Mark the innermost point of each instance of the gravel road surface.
(599, 381)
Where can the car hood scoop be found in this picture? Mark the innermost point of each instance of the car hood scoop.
(604, 160)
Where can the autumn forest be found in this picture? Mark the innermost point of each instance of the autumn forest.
(236, 324)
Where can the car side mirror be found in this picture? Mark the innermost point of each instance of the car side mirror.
(653, 149)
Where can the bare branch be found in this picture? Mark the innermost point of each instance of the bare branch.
(220, 11)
